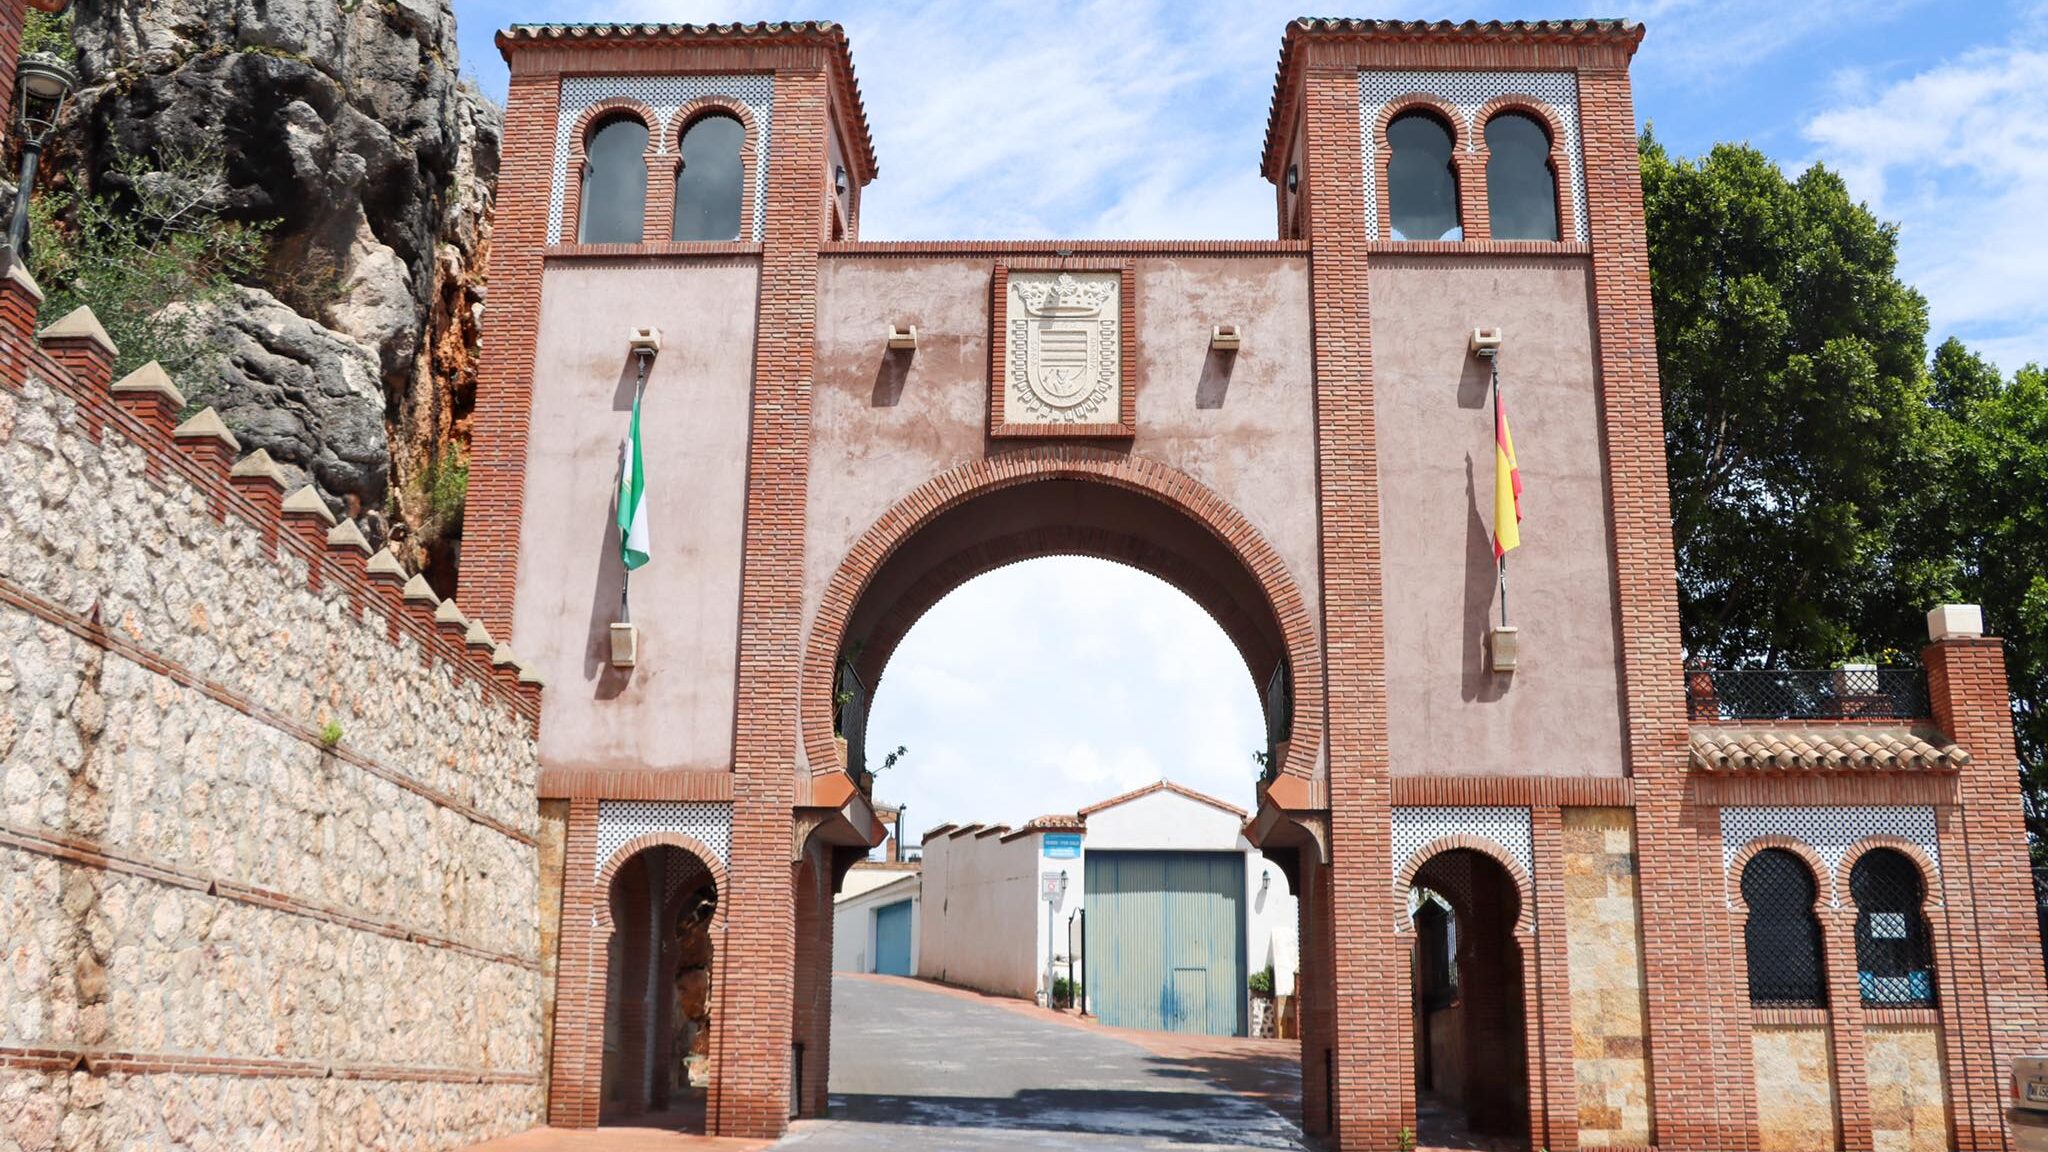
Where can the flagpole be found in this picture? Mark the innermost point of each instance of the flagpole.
(640, 357)
(1501, 559)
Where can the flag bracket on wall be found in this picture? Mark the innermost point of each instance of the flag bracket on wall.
(1503, 642)
(635, 544)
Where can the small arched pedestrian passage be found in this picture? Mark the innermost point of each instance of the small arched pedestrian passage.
(1470, 1007)
(661, 981)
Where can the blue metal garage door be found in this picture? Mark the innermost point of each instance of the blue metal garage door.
(1166, 940)
(892, 939)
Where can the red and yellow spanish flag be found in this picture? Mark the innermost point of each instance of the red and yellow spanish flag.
(1507, 485)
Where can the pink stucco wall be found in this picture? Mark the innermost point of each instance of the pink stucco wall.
(882, 425)
(1560, 713)
(675, 710)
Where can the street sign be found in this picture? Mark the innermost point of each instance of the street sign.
(1049, 885)
(1061, 846)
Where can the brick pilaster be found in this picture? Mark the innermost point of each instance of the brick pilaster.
(577, 1064)
(1553, 1081)
(760, 980)
(1998, 989)
(1374, 1076)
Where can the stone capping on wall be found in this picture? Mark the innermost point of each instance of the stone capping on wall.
(194, 455)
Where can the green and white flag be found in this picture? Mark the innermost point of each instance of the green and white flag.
(633, 542)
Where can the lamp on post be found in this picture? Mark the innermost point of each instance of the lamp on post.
(42, 90)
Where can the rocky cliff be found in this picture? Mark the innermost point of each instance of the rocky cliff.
(345, 126)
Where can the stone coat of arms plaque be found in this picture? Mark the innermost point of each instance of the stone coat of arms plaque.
(1061, 368)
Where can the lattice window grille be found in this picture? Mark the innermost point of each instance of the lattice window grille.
(1830, 832)
(619, 822)
(1467, 93)
(1507, 828)
(666, 95)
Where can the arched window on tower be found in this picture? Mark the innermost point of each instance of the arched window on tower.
(614, 183)
(709, 181)
(1894, 962)
(1521, 188)
(1422, 190)
(1782, 937)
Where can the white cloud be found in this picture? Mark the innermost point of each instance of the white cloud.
(1710, 42)
(1959, 154)
(1049, 685)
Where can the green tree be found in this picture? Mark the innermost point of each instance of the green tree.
(156, 239)
(1795, 405)
(1991, 524)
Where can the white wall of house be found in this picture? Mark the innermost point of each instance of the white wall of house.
(985, 924)
(853, 916)
(978, 920)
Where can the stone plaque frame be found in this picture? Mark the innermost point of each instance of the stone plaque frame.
(1126, 425)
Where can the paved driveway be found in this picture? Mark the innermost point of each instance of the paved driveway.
(917, 1068)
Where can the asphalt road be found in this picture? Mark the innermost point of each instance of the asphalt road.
(922, 1070)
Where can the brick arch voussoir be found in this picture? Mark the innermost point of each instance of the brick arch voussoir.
(1525, 888)
(1560, 162)
(1003, 551)
(639, 844)
(1823, 877)
(1930, 875)
(611, 107)
(1172, 488)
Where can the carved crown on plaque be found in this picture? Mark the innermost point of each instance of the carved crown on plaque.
(1062, 351)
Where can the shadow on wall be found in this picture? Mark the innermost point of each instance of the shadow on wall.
(604, 594)
(1481, 578)
(1214, 385)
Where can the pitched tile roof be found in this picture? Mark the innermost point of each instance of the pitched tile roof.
(827, 31)
(1162, 786)
(1824, 749)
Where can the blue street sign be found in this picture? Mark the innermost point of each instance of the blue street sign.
(1062, 846)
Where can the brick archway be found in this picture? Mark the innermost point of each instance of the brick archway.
(1064, 500)
(577, 1098)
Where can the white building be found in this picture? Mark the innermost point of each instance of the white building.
(1156, 887)
(875, 919)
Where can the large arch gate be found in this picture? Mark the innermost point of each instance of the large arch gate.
(1021, 505)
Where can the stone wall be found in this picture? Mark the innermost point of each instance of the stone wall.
(1610, 1026)
(1908, 1097)
(268, 865)
(1795, 1088)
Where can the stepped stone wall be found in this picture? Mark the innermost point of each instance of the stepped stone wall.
(268, 836)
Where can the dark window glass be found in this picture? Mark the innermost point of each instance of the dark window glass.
(1894, 962)
(1782, 936)
(708, 183)
(614, 184)
(1421, 189)
(1521, 190)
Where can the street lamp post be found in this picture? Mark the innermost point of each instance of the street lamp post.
(43, 88)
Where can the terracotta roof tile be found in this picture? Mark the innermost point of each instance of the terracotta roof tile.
(1823, 749)
(1162, 786)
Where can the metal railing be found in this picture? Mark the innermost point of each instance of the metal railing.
(1806, 693)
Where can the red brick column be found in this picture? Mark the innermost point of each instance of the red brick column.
(813, 1023)
(13, 18)
(1846, 1018)
(1315, 1006)
(497, 470)
(577, 1063)
(760, 976)
(1368, 979)
(1555, 1109)
(1701, 1076)
(1996, 984)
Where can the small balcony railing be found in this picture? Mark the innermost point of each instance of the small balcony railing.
(1806, 693)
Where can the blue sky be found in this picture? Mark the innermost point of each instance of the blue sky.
(1144, 118)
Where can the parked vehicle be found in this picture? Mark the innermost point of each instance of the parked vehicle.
(2029, 1112)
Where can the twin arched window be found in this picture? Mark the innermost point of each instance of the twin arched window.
(1422, 182)
(1894, 959)
(710, 182)
(1782, 937)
